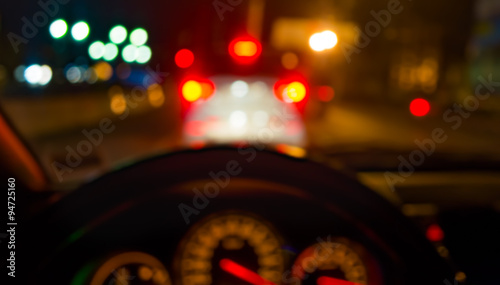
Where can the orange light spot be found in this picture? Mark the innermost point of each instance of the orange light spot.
(245, 48)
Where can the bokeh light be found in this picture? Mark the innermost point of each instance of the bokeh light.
(289, 60)
(295, 91)
(91, 75)
(58, 28)
(129, 53)
(46, 75)
(237, 119)
(80, 31)
(118, 34)
(110, 52)
(74, 74)
(103, 70)
(156, 97)
(419, 107)
(123, 70)
(96, 50)
(33, 73)
(184, 58)
(434, 233)
(139, 37)
(19, 73)
(143, 54)
(323, 41)
(325, 93)
(118, 103)
(191, 90)
(239, 88)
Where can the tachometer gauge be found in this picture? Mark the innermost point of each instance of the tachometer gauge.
(131, 268)
(331, 263)
(231, 249)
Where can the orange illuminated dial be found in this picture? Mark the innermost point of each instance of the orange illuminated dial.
(231, 249)
(131, 268)
(329, 263)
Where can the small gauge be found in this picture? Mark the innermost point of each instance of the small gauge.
(332, 263)
(231, 249)
(131, 268)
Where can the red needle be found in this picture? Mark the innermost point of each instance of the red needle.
(243, 273)
(333, 281)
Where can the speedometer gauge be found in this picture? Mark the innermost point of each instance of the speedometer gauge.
(338, 262)
(231, 249)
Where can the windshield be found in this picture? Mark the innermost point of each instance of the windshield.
(92, 86)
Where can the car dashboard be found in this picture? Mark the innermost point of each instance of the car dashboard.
(230, 216)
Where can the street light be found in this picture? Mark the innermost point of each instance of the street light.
(323, 41)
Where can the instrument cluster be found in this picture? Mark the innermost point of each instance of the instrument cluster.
(236, 247)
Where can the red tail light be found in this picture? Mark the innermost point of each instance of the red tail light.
(195, 89)
(291, 90)
(184, 58)
(245, 50)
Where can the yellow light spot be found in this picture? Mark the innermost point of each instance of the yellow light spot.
(292, 150)
(103, 70)
(191, 90)
(289, 60)
(245, 48)
(295, 91)
(443, 251)
(145, 273)
(155, 95)
(460, 276)
(118, 104)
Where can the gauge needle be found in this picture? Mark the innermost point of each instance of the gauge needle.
(333, 281)
(243, 273)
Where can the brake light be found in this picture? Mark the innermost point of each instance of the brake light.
(290, 91)
(195, 89)
(245, 50)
